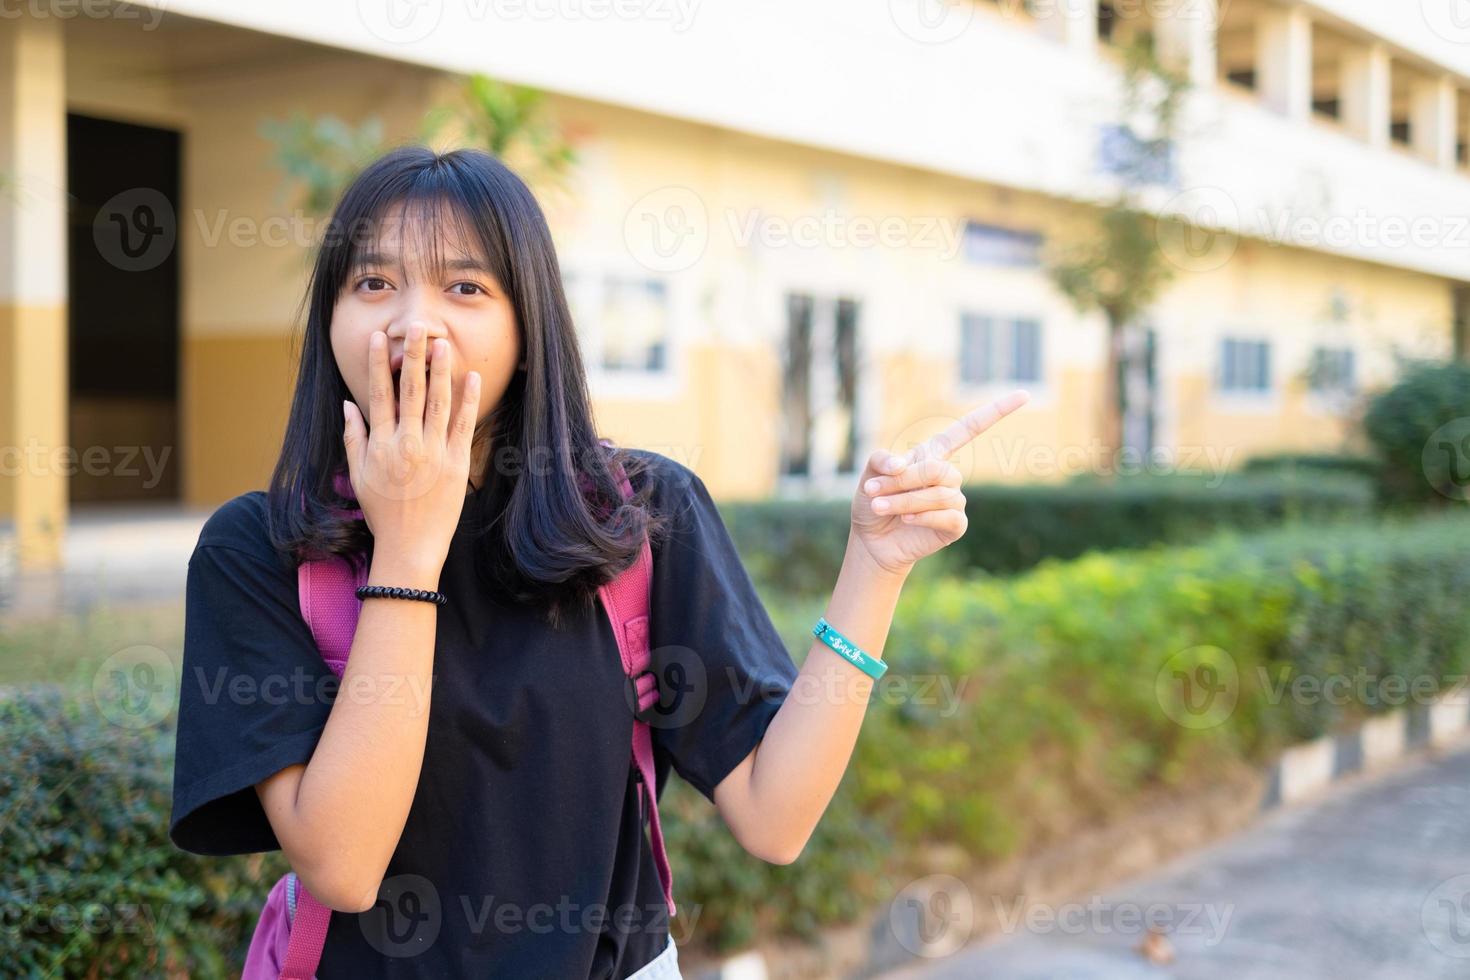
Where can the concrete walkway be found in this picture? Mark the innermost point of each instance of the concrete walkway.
(1370, 883)
(113, 554)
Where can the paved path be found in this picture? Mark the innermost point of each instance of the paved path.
(112, 554)
(1370, 883)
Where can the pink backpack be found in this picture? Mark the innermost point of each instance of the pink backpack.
(292, 928)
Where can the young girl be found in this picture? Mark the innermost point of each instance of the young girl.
(463, 798)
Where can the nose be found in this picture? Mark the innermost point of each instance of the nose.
(398, 336)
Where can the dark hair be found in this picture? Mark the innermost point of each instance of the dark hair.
(549, 532)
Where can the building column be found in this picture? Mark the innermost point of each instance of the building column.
(1432, 120)
(1366, 93)
(33, 324)
(1284, 61)
(1186, 36)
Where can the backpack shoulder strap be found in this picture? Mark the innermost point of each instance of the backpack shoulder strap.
(327, 590)
(626, 600)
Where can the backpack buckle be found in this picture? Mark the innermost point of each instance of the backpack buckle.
(632, 693)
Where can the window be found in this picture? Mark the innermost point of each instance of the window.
(993, 245)
(622, 322)
(821, 379)
(994, 349)
(1331, 371)
(1245, 365)
(635, 325)
(1122, 153)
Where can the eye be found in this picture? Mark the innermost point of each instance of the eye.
(382, 283)
(472, 285)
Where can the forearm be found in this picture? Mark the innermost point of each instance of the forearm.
(806, 748)
(359, 785)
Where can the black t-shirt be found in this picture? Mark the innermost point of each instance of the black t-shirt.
(524, 853)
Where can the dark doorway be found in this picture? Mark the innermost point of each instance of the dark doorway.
(123, 310)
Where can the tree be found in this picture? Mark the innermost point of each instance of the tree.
(1121, 268)
(320, 155)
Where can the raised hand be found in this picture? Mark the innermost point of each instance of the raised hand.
(909, 505)
(410, 464)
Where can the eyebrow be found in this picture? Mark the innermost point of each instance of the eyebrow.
(452, 265)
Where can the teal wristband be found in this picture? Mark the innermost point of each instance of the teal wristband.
(848, 650)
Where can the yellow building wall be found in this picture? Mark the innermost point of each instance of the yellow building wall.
(245, 267)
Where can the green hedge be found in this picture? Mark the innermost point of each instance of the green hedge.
(1035, 707)
(1067, 722)
(91, 885)
(797, 546)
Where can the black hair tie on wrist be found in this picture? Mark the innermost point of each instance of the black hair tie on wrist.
(399, 592)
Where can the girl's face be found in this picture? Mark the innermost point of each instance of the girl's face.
(394, 286)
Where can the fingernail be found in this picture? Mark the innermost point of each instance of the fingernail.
(880, 505)
(872, 486)
(345, 416)
(908, 518)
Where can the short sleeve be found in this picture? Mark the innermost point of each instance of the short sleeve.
(722, 667)
(254, 695)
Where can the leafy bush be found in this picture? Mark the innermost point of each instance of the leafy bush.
(1431, 402)
(92, 886)
(797, 546)
(1075, 712)
(1015, 712)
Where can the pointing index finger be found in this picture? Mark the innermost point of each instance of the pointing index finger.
(967, 427)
